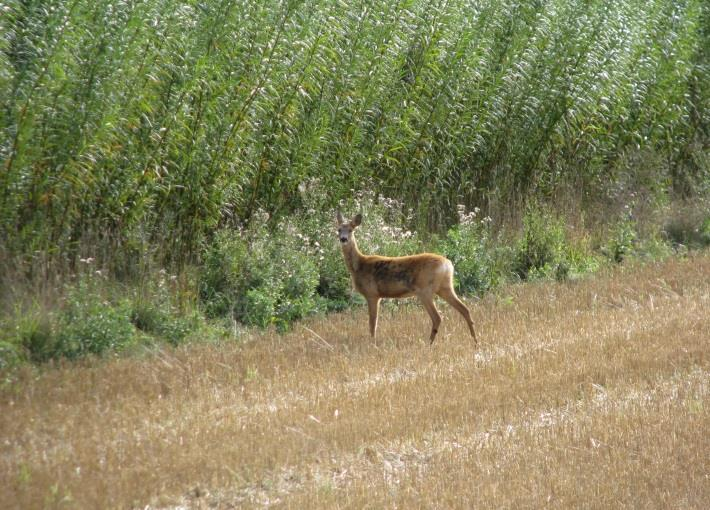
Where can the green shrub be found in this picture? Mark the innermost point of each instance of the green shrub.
(622, 240)
(96, 317)
(261, 277)
(146, 316)
(467, 245)
(162, 321)
(90, 326)
(153, 311)
(541, 250)
(37, 337)
(654, 247)
(10, 357)
(28, 334)
(258, 308)
(85, 322)
(579, 258)
(334, 286)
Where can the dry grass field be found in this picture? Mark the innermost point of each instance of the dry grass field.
(586, 394)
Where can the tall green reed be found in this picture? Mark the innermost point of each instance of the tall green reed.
(128, 125)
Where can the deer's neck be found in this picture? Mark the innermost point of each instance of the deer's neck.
(353, 256)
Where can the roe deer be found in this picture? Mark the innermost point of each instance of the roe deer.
(423, 275)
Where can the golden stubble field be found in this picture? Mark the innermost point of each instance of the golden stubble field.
(587, 394)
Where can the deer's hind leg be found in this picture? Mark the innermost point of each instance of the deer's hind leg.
(427, 300)
(449, 295)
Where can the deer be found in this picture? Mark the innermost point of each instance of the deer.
(424, 275)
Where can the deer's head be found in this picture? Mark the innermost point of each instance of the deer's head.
(345, 228)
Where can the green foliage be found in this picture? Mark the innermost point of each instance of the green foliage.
(261, 277)
(541, 250)
(164, 323)
(654, 247)
(89, 324)
(84, 325)
(95, 316)
(161, 308)
(85, 322)
(468, 246)
(36, 336)
(580, 258)
(10, 358)
(334, 284)
(223, 274)
(26, 335)
(156, 122)
(622, 240)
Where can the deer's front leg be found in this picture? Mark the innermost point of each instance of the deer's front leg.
(373, 305)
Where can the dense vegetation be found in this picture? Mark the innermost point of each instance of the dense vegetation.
(214, 139)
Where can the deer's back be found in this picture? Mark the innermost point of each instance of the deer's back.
(402, 276)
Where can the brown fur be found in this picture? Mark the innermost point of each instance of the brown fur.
(424, 275)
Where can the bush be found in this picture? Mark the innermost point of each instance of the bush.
(84, 323)
(223, 273)
(579, 257)
(97, 317)
(261, 277)
(161, 321)
(153, 311)
(334, 286)
(10, 356)
(36, 336)
(541, 250)
(89, 325)
(26, 335)
(622, 240)
(467, 245)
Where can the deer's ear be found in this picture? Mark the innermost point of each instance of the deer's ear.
(357, 220)
(339, 218)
